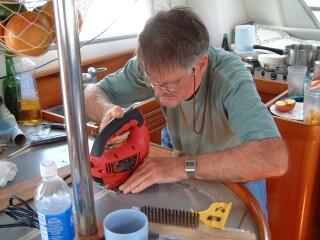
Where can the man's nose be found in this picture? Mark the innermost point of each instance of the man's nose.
(158, 92)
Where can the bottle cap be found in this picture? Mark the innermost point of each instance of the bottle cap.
(225, 34)
(48, 169)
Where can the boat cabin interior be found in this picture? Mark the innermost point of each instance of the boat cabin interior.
(108, 38)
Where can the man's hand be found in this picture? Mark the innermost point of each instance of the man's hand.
(116, 112)
(315, 83)
(154, 171)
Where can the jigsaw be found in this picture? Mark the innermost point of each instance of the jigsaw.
(111, 165)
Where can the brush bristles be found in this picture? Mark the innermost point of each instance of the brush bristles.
(172, 217)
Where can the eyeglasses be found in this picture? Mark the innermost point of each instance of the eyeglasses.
(144, 79)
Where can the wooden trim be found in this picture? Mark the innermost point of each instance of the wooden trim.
(269, 89)
(254, 208)
(273, 100)
(49, 84)
(89, 62)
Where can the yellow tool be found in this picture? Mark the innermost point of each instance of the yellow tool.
(216, 216)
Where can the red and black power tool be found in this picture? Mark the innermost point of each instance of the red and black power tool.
(111, 165)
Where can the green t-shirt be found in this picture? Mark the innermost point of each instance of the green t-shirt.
(234, 111)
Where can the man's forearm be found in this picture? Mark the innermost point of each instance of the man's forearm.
(250, 161)
(97, 103)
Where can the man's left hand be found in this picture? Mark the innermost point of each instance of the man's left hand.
(154, 171)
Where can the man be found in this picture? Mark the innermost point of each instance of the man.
(213, 111)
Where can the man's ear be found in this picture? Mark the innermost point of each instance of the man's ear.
(202, 63)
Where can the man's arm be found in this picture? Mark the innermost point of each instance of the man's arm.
(250, 161)
(98, 106)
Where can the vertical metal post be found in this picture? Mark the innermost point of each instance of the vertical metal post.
(73, 101)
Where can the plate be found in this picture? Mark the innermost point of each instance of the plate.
(295, 114)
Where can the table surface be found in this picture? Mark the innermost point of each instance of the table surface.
(184, 195)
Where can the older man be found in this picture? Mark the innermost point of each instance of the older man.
(213, 111)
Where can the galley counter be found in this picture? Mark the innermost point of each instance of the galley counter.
(199, 195)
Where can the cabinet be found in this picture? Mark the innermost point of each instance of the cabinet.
(293, 199)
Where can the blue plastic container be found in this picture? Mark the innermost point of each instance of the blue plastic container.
(5, 130)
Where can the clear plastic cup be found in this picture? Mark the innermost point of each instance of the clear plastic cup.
(244, 39)
(296, 80)
(311, 106)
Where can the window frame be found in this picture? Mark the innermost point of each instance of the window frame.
(310, 10)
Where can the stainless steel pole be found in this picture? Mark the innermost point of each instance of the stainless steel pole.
(73, 101)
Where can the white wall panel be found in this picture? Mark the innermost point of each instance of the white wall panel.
(220, 16)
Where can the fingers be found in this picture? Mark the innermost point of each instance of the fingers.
(316, 76)
(138, 181)
(119, 139)
(315, 83)
(142, 178)
(153, 171)
(116, 112)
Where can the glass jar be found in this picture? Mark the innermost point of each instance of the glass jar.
(29, 108)
(311, 106)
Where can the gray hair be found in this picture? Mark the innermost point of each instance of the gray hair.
(170, 39)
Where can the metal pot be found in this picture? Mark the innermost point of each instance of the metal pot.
(297, 54)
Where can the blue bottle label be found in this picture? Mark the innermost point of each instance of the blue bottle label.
(57, 226)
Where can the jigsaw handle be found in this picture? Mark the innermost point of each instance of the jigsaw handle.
(131, 118)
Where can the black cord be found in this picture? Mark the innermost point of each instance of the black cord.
(25, 216)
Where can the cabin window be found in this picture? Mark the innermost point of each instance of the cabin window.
(114, 19)
(109, 19)
(109, 26)
(313, 9)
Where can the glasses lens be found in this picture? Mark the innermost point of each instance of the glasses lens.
(143, 78)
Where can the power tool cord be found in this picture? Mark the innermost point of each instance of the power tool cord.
(24, 215)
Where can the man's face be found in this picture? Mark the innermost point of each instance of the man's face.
(173, 87)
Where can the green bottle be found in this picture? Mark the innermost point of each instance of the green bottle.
(9, 89)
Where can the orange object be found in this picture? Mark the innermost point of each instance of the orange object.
(285, 105)
(2, 24)
(48, 11)
(28, 33)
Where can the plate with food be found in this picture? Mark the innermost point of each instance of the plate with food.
(288, 108)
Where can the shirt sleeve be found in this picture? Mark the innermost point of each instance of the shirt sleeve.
(122, 87)
(248, 116)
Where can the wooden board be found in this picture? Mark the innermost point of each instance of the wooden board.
(25, 189)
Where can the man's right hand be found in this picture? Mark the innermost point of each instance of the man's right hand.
(116, 112)
(99, 109)
(315, 83)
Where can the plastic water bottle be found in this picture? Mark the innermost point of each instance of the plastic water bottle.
(53, 203)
